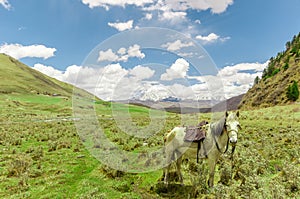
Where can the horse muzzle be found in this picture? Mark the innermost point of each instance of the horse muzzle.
(233, 140)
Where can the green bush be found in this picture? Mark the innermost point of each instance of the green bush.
(275, 71)
(286, 66)
(293, 91)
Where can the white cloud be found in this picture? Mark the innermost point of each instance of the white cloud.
(108, 55)
(134, 51)
(223, 39)
(177, 70)
(173, 16)
(233, 70)
(141, 72)
(209, 38)
(122, 54)
(239, 78)
(107, 3)
(122, 26)
(19, 51)
(122, 51)
(50, 71)
(114, 82)
(148, 16)
(217, 6)
(5, 4)
(212, 37)
(197, 21)
(176, 45)
(232, 80)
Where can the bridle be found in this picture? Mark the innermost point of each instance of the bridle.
(227, 144)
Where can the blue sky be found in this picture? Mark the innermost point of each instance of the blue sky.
(56, 36)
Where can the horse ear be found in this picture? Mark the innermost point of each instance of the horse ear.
(239, 126)
(238, 113)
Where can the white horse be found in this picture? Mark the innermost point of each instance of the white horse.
(219, 135)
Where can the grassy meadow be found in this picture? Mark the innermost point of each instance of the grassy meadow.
(42, 156)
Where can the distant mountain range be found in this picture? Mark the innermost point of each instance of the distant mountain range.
(176, 105)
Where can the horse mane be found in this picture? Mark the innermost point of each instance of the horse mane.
(218, 126)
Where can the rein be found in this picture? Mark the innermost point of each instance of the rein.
(226, 143)
(219, 147)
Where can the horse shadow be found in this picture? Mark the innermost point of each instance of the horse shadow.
(175, 189)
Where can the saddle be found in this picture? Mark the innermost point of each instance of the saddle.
(195, 133)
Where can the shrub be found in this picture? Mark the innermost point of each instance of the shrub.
(293, 91)
(275, 71)
(286, 66)
(19, 165)
(38, 153)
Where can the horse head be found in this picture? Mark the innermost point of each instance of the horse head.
(232, 126)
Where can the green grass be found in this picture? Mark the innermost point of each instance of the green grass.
(57, 165)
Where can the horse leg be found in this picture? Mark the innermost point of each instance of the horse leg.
(211, 166)
(166, 171)
(178, 168)
(169, 154)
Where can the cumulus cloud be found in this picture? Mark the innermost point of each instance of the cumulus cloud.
(231, 80)
(218, 6)
(141, 72)
(239, 78)
(177, 70)
(108, 3)
(122, 26)
(212, 37)
(148, 16)
(114, 82)
(197, 21)
(235, 69)
(172, 16)
(234, 80)
(108, 55)
(176, 45)
(209, 38)
(122, 54)
(19, 51)
(164, 13)
(172, 10)
(49, 70)
(5, 4)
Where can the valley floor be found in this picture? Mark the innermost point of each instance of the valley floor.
(42, 156)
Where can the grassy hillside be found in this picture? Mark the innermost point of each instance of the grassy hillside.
(42, 156)
(280, 73)
(19, 78)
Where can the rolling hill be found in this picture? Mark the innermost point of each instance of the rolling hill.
(16, 77)
(281, 72)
